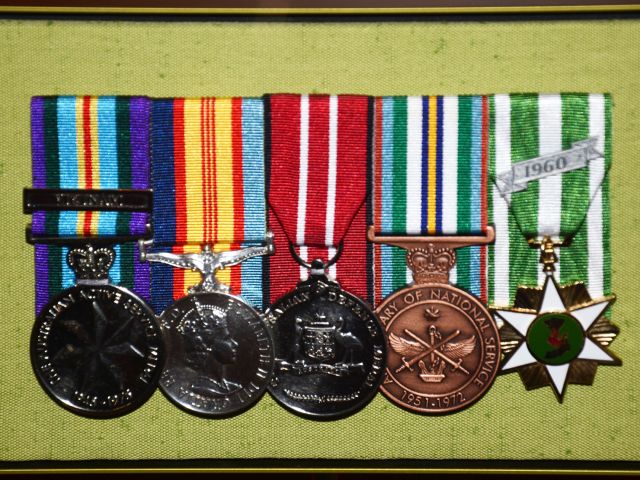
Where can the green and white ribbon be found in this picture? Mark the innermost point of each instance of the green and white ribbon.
(550, 165)
(570, 202)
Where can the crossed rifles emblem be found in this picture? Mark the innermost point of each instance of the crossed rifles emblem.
(440, 350)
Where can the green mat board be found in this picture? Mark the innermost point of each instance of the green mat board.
(39, 57)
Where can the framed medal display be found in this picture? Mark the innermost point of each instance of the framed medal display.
(390, 238)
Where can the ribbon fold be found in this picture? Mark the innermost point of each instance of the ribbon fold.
(318, 150)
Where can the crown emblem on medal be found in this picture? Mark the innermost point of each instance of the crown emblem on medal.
(210, 311)
(206, 316)
(431, 264)
(91, 263)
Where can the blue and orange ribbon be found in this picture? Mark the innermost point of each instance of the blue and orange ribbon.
(209, 188)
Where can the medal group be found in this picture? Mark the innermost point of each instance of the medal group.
(221, 247)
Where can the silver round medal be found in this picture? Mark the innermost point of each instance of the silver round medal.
(96, 348)
(219, 354)
(329, 348)
(219, 351)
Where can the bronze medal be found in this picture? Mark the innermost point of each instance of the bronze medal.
(443, 344)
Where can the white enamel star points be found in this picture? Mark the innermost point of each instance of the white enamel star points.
(551, 302)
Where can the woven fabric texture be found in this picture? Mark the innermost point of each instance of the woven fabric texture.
(226, 59)
(93, 143)
(208, 183)
(317, 184)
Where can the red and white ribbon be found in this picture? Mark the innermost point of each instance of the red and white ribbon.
(318, 147)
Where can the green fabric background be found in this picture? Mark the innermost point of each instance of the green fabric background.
(177, 59)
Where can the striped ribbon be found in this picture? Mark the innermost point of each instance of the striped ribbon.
(318, 147)
(208, 180)
(430, 176)
(89, 143)
(528, 126)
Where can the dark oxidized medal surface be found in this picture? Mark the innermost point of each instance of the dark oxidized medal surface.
(330, 350)
(219, 351)
(96, 348)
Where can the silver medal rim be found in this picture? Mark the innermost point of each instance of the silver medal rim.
(139, 400)
(263, 388)
(365, 399)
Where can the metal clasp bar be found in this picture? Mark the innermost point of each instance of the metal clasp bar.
(448, 241)
(207, 262)
(105, 200)
(74, 199)
(430, 258)
(78, 241)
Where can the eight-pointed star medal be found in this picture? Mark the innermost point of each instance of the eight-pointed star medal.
(556, 335)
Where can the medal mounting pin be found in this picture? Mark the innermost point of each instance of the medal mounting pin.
(207, 262)
(548, 256)
(318, 267)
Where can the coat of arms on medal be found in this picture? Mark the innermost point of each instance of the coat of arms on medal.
(319, 339)
(322, 344)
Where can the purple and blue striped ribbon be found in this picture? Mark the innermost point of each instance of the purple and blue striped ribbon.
(209, 188)
(89, 143)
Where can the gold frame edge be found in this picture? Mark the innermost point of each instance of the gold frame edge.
(324, 11)
(320, 11)
(321, 470)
